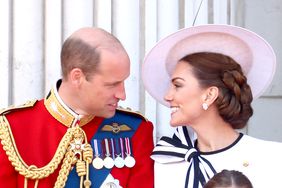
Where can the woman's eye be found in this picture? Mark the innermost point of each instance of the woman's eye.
(176, 85)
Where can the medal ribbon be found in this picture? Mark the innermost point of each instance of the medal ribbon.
(107, 154)
(117, 147)
(113, 148)
(127, 145)
(96, 148)
(121, 147)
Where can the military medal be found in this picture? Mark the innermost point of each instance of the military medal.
(129, 161)
(108, 161)
(119, 162)
(97, 162)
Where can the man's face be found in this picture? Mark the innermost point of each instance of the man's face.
(101, 93)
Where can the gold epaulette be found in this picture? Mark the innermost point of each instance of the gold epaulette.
(129, 111)
(13, 107)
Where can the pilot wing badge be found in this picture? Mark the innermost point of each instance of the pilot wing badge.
(116, 128)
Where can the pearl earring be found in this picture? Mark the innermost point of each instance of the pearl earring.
(205, 106)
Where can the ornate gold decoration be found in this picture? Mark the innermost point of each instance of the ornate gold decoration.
(74, 136)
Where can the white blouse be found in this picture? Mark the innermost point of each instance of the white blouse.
(259, 160)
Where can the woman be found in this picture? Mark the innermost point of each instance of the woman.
(208, 75)
(229, 179)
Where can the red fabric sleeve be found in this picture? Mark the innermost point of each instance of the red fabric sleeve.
(142, 174)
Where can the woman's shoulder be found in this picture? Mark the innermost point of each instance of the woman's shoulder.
(262, 144)
(250, 138)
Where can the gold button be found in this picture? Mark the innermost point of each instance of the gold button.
(246, 164)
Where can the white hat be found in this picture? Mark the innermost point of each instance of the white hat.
(251, 51)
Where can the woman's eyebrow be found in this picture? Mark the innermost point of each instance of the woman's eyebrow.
(176, 78)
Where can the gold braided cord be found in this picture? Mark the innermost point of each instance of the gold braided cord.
(65, 169)
(81, 168)
(9, 146)
(87, 157)
(26, 179)
(26, 183)
(82, 164)
(87, 183)
(88, 153)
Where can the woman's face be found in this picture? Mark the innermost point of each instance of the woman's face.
(185, 96)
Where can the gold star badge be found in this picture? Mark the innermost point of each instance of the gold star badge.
(77, 146)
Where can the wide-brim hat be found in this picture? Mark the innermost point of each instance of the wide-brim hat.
(251, 51)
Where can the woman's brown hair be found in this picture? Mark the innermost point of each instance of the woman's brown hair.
(227, 178)
(235, 96)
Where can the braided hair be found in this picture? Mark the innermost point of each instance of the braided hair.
(235, 96)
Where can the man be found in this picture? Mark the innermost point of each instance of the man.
(76, 136)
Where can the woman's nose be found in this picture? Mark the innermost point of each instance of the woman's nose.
(168, 96)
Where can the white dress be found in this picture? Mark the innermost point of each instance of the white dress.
(259, 160)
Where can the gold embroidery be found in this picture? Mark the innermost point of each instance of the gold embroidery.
(57, 110)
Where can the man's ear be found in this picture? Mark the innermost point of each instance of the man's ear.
(210, 95)
(76, 76)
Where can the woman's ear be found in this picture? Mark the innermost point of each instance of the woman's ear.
(211, 95)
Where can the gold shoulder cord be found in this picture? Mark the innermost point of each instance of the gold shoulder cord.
(69, 148)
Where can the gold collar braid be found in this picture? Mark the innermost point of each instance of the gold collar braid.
(71, 150)
(62, 112)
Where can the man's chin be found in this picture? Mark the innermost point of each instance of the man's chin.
(109, 114)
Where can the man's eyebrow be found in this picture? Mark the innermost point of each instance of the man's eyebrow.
(112, 83)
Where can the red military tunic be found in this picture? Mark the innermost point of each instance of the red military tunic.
(37, 129)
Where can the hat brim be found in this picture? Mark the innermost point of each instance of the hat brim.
(251, 51)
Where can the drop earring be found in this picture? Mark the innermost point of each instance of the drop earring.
(205, 106)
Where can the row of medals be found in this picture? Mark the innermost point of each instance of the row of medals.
(107, 160)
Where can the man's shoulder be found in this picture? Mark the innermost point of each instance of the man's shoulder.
(130, 112)
(11, 108)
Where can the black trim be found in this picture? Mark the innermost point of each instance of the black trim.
(220, 150)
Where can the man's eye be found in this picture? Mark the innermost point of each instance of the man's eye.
(113, 84)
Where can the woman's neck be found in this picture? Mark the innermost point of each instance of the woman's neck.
(214, 135)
